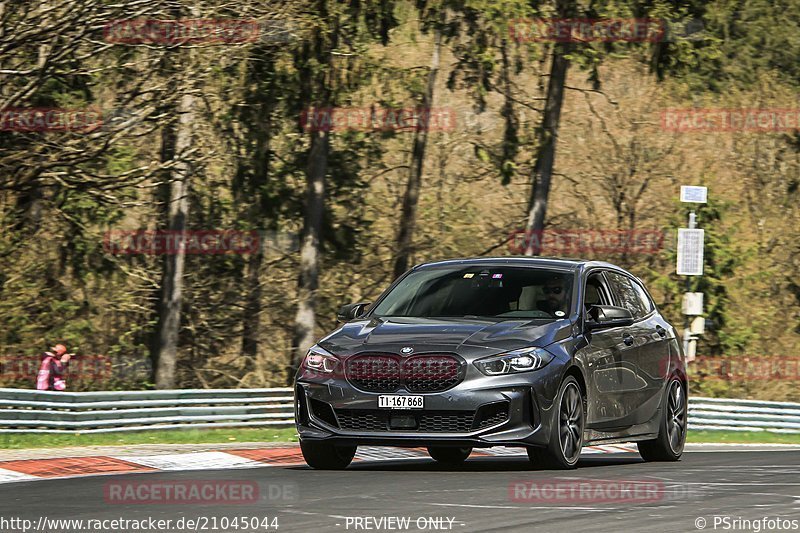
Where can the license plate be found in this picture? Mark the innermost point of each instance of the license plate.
(400, 402)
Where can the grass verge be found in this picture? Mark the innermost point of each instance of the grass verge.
(743, 437)
(288, 435)
(183, 436)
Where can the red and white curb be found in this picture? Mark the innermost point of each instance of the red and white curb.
(67, 467)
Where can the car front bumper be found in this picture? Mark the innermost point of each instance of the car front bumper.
(481, 411)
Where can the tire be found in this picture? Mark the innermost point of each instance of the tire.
(448, 455)
(566, 430)
(668, 446)
(327, 456)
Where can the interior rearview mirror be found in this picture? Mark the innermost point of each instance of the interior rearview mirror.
(608, 316)
(351, 311)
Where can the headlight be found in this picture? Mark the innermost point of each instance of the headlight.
(524, 360)
(320, 360)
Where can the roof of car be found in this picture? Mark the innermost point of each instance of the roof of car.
(554, 262)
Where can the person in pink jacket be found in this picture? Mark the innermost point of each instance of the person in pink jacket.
(53, 369)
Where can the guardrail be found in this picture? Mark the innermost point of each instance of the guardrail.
(743, 415)
(30, 411)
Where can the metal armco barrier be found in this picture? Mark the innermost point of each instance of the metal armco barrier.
(30, 411)
(744, 415)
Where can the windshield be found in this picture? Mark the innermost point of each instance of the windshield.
(478, 291)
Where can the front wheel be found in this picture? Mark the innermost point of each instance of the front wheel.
(668, 446)
(327, 456)
(566, 430)
(449, 456)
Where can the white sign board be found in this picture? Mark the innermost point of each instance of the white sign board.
(693, 303)
(694, 194)
(690, 252)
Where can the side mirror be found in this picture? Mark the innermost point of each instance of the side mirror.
(351, 311)
(608, 316)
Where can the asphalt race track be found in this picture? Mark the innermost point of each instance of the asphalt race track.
(484, 494)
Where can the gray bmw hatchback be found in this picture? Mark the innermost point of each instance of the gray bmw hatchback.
(546, 354)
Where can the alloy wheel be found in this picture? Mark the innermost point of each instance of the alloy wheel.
(570, 425)
(676, 416)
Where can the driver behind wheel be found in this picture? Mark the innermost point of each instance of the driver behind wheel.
(555, 297)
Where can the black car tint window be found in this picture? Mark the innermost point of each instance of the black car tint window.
(647, 303)
(503, 292)
(626, 294)
(596, 292)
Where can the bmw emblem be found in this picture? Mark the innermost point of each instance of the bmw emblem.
(407, 350)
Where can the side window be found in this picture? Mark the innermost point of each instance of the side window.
(627, 295)
(596, 292)
(647, 303)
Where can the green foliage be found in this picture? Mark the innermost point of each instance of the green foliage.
(61, 191)
(723, 255)
(734, 43)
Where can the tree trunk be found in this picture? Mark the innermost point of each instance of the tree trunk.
(511, 129)
(317, 89)
(546, 151)
(305, 319)
(177, 213)
(408, 215)
(251, 320)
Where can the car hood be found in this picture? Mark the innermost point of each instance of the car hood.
(464, 336)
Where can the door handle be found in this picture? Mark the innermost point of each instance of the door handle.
(661, 331)
(627, 338)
